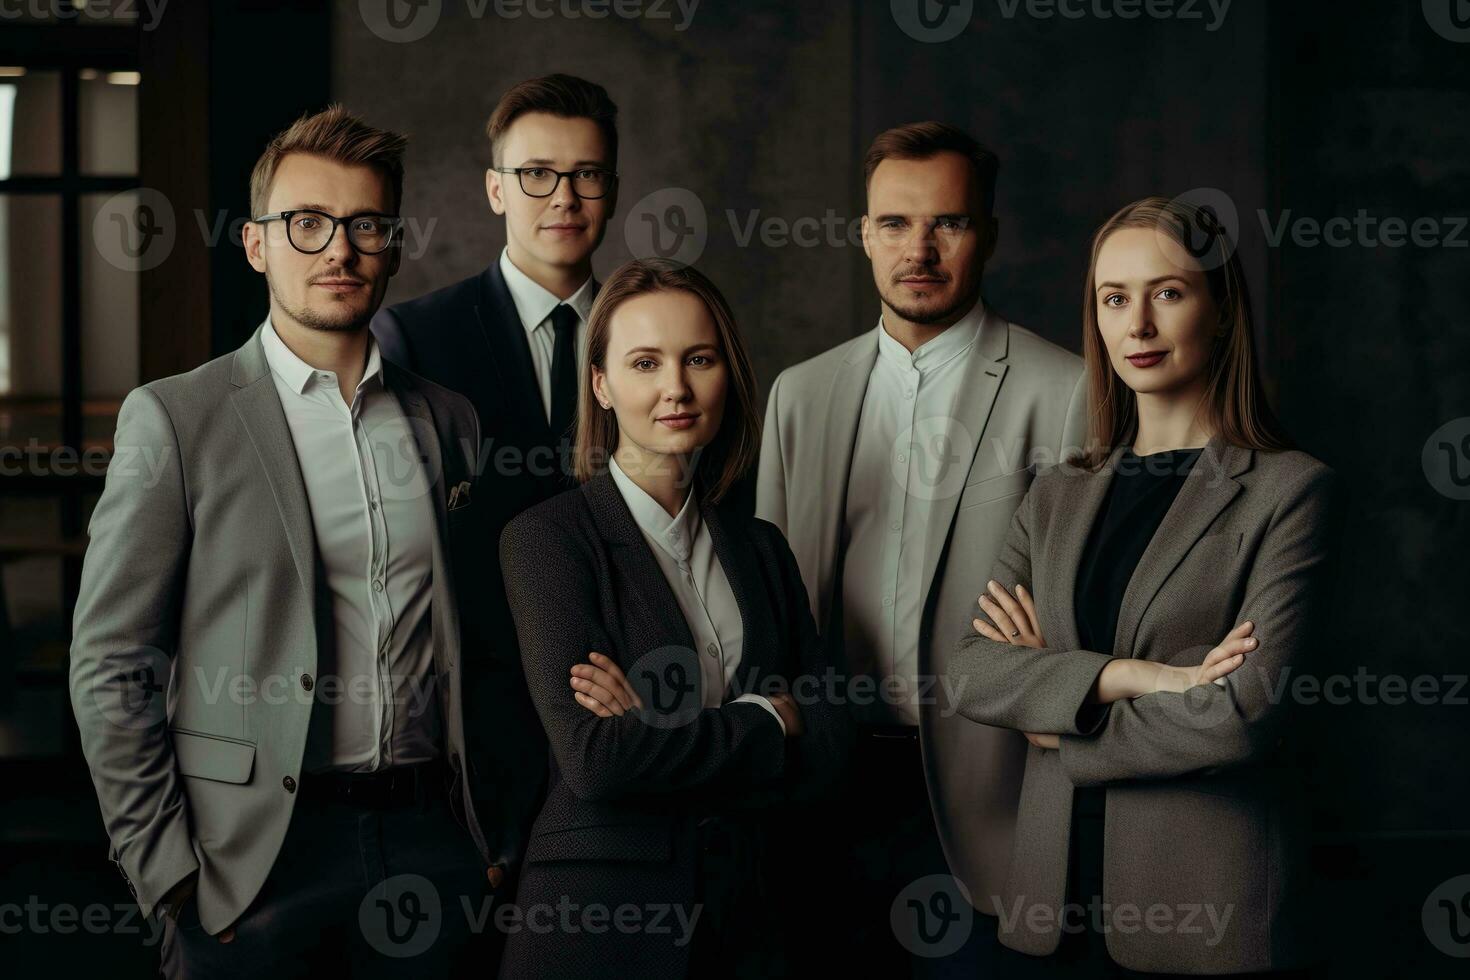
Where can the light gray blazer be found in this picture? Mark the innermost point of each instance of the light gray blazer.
(1023, 401)
(201, 612)
(1201, 815)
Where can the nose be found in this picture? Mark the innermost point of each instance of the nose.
(676, 384)
(562, 195)
(1141, 321)
(339, 250)
(921, 247)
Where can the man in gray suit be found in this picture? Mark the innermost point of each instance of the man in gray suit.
(894, 463)
(266, 663)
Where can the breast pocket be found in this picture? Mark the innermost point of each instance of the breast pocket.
(991, 489)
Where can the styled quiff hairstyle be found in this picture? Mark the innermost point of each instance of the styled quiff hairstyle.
(734, 449)
(922, 140)
(337, 135)
(1234, 404)
(566, 96)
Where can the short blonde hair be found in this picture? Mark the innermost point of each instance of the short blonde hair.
(337, 135)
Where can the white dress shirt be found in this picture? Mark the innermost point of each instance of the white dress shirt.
(685, 554)
(534, 304)
(899, 463)
(374, 520)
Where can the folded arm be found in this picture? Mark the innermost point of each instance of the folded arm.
(553, 596)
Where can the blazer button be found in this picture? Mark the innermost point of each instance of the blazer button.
(306, 681)
(290, 784)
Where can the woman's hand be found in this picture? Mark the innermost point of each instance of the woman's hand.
(1128, 678)
(601, 688)
(1222, 660)
(1016, 621)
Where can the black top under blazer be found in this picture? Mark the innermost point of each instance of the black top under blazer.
(624, 793)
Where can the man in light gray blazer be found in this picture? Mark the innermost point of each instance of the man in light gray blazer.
(893, 463)
(266, 665)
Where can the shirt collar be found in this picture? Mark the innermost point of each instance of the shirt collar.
(675, 535)
(297, 374)
(938, 351)
(535, 302)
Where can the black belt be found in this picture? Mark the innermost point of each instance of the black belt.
(395, 786)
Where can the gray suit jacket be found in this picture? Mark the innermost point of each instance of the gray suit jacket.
(1201, 815)
(1021, 404)
(199, 620)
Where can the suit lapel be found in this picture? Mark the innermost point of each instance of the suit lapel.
(971, 412)
(1208, 488)
(839, 436)
(510, 358)
(759, 647)
(258, 404)
(660, 614)
(1075, 518)
(441, 471)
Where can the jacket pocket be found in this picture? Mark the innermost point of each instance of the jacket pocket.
(225, 760)
(606, 842)
(995, 488)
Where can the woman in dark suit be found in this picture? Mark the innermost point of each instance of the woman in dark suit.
(1151, 602)
(665, 639)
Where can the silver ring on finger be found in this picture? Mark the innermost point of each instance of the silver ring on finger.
(1015, 633)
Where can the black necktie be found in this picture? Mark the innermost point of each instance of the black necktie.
(564, 321)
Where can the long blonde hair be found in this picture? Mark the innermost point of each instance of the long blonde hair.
(1236, 405)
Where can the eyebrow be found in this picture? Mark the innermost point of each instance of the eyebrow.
(543, 162)
(953, 216)
(1152, 282)
(328, 210)
(659, 350)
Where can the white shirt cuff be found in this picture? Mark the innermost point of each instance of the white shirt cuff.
(764, 703)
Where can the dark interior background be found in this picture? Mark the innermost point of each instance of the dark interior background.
(761, 109)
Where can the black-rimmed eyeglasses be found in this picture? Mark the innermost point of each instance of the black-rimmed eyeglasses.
(311, 231)
(588, 183)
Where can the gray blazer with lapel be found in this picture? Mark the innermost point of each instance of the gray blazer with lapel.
(201, 581)
(1201, 813)
(1022, 404)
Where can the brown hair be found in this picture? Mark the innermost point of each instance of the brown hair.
(336, 134)
(560, 95)
(1234, 401)
(735, 447)
(922, 140)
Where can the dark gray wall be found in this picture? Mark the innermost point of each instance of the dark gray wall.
(764, 108)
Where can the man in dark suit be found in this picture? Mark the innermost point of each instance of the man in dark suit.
(510, 339)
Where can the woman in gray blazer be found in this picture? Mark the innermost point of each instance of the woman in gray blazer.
(1151, 602)
(666, 638)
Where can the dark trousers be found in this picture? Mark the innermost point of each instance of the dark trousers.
(864, 885)
(384, 890)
